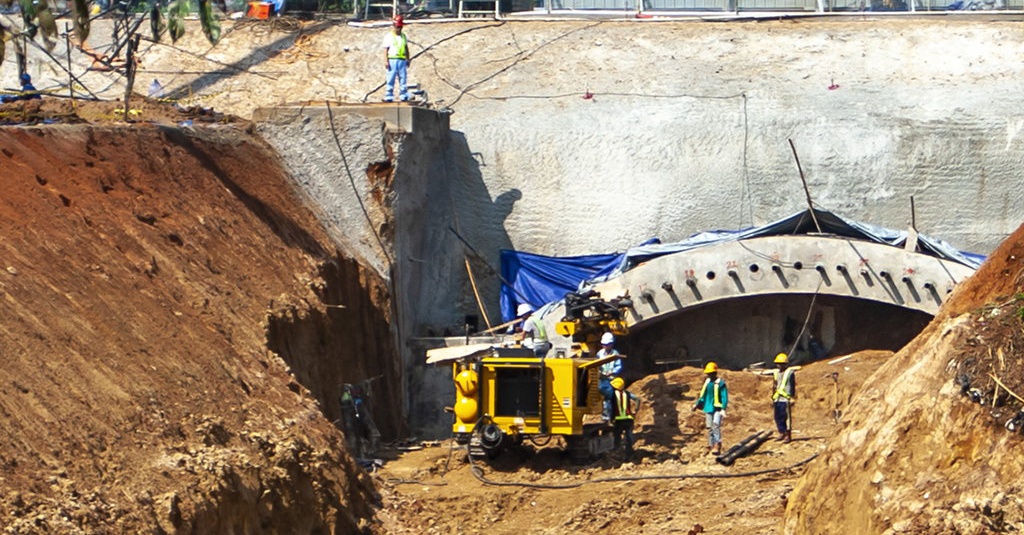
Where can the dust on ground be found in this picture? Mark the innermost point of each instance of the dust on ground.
(672, 485)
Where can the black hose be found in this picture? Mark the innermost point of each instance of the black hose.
(404, 481)
(478, 473)
(534, 440)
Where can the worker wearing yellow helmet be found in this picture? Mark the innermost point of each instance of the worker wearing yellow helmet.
(713, 400)
(625, 407)
(783, 396)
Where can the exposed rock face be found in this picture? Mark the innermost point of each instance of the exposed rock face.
(918, 453)
(142, 270)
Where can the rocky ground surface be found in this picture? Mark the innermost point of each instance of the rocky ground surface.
(672, 486)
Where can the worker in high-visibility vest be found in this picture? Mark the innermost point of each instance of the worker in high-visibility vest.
(626, 406)
(396, 46)
(784, 396)
(713, 400)
(608, 371)
(534, 335)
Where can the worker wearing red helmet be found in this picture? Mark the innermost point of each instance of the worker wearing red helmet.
(396, 46)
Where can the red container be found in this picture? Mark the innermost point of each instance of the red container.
(259, 10)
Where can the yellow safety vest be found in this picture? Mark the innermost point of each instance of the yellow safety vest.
(400, 45)
(718, 399)
(781, 383)
(538, 330)
(622, 397)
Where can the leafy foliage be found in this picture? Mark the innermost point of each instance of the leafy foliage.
(80, 19)
(211, 25)
(38, 20)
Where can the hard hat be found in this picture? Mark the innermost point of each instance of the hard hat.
(781, 358)
(618, 383)
(25, 78)
(524, 309)
(711, 368)
(607, 339)
(399, 21)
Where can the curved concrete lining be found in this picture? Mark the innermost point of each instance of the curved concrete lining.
(782, 265)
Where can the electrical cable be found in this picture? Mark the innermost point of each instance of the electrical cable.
(810, 311)
(355, 190)
(478, 473)
(746, 197)
(428, 47)
(525, 56)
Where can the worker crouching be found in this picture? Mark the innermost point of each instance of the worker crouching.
(28, 91)
(626, 407)
(713, 400)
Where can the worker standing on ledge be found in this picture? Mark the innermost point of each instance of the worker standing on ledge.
(396, 46)
(783, 396)
(713, 402)
(626, 407)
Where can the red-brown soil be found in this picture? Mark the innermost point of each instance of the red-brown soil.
(141, 268)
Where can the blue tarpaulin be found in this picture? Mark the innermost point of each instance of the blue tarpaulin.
(538, 279)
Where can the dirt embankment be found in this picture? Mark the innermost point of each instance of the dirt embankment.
(934, 444)
(141, 270)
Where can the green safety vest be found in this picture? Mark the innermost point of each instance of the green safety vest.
(703, 389)
(782, 385)
(622, 398)
(538, 330)
(399, 43)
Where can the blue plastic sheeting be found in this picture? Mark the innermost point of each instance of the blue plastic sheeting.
(802, 223)
(538, 280)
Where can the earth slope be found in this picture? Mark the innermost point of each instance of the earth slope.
(140, 268)
(925, 448)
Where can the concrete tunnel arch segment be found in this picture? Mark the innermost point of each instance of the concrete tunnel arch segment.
(778, 266)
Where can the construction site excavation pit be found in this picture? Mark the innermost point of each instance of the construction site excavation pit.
(198, 301)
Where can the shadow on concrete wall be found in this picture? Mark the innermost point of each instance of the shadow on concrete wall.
(478, 228)
(463, 223)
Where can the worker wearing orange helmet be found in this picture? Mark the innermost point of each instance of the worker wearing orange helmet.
(783, 396)
(396, 47)
(713, 400)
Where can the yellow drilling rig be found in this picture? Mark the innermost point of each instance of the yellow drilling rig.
(507, 395)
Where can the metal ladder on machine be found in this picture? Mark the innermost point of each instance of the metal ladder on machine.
(493, 11)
